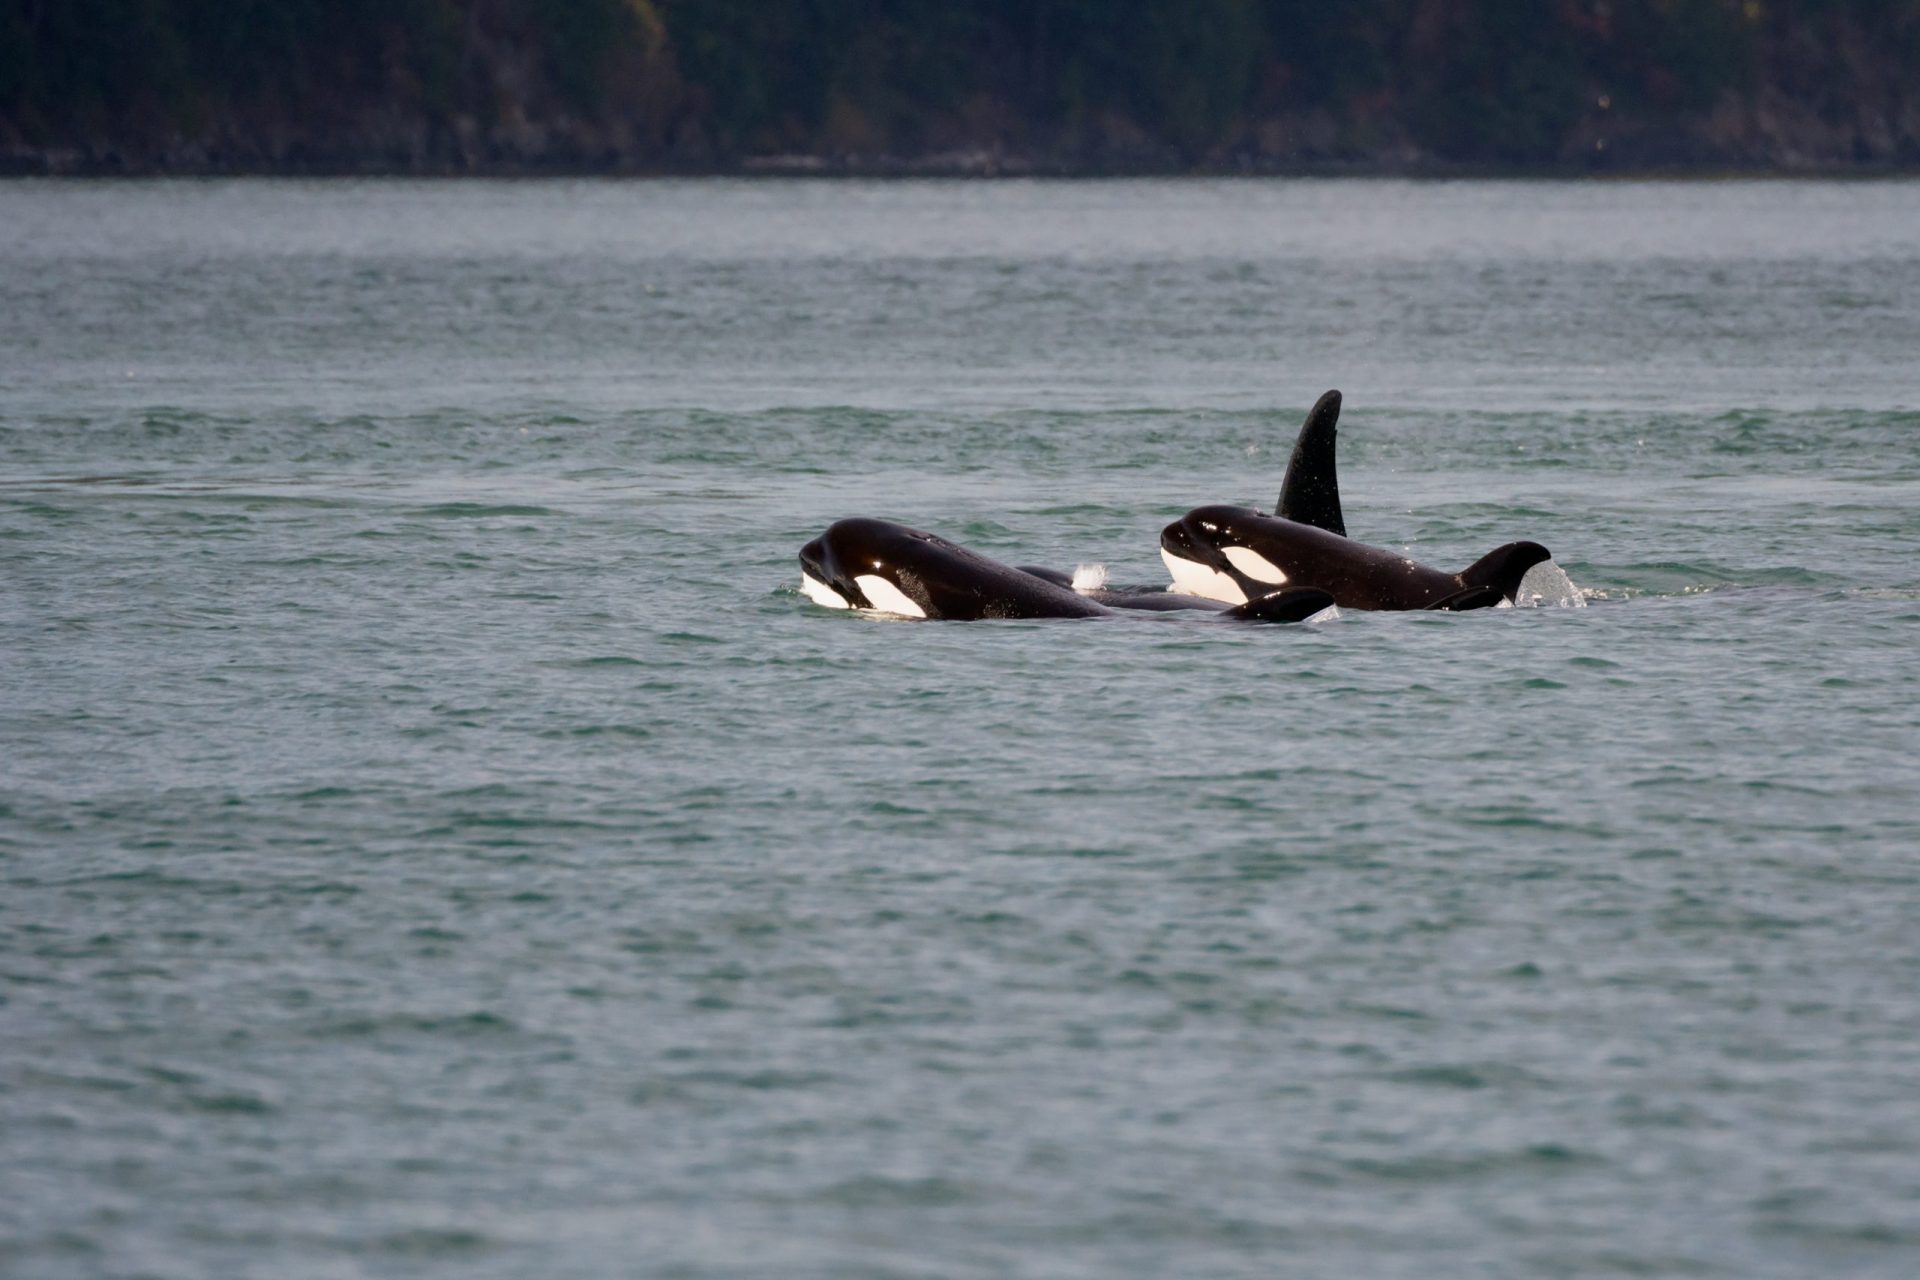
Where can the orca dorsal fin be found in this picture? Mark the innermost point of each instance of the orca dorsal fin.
(1310, 494)
(1503, 567)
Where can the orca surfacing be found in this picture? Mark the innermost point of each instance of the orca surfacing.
(882, 567)
(1225, 553)
(1231, 553)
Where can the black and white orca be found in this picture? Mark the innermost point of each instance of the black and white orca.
(1231, 554)
(881, 567)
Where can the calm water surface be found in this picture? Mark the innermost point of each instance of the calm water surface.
(436, 838)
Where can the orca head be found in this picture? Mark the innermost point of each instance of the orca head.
(1212, 552)
(872, 565)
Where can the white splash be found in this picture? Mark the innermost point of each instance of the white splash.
(1547, 585)
(1089, 577)
(1191, 578)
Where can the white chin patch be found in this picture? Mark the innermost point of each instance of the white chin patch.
(1255, 565)
(1191, 578)
(887, 598)
(820, 593)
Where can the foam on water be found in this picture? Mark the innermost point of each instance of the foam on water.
(1547, 584)
(1089, 577)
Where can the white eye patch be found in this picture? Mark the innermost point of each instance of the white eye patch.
(1254, 565)
(887, 598)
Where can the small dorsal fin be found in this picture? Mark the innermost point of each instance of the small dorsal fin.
(1503, 567)
(1310, 493)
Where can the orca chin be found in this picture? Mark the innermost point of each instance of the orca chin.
(822, 594)
(817, 583)
(875, 566)
(1193, 577)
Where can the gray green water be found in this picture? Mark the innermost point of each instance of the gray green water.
(436, 839)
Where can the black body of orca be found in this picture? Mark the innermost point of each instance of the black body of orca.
(1143, 599)
(1233, 553)
(862, 563)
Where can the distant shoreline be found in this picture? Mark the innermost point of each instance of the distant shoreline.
(916, 88)
(67, 164)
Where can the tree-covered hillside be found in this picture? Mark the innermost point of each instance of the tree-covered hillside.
(1077, 85)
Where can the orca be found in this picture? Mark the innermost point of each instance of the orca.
(1232, 554)
(881, 567)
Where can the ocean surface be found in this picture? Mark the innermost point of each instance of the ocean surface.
(438, 840)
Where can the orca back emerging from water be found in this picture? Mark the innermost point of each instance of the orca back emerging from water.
(882, 567)
(1231, 554)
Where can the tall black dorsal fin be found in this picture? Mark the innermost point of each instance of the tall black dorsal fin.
(1311, 492)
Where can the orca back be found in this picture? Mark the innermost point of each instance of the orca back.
(1502, 568)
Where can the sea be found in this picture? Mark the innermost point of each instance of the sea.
(438, 839)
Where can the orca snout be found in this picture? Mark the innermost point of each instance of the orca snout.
(818, 580)
(1190, 549)
(813, 559)
(1176, 539)
(1200, 534)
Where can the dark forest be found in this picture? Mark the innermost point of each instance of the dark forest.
(1072, 86)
